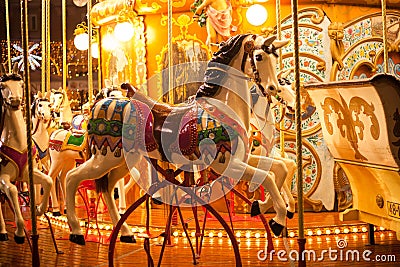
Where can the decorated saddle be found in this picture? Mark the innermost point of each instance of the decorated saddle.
(18, 158)
(195, 130)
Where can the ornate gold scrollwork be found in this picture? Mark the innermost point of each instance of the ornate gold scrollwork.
(336, 34)
(349, 119)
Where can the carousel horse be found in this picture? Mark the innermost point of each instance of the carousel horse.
(210, 131)
(263, 135)
(13, 152)
(41, 119)
(61, 109)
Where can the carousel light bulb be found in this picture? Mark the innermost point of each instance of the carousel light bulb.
(257, 235)
(95, 50)
(219, 234)
(310, 232)
(364, 229)
(211, 234)
(327, 231)
(124, 31)
(247, 235)
(319, 232)
(81, 41)
(337, 231)
(291, 234)
(108, 42)
(175, 234)
(256, 15)
(193, 234)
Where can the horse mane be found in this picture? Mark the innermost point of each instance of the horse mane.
(221, 59)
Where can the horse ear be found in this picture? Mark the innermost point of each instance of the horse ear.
(39, 95)
(269, 40)
(131, 89)
(284, 75)
(15, 68)
(280, 43)
(2, 70)
(47, 95)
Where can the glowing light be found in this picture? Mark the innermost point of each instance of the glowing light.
(364, 229)
(220, 234)
(327, 231)
(309, 232)
(108, 42)
(95, 50)
(346, 230)
(337, 231)
(256, 15)
(355, 230)
(211, 234)
(319, 232)
(238, 234)
(193, 234)
(291, 234)
(81, 41)
(247, 235)
(175, 234)
(184, 234)
(257, 235)
(124, 31)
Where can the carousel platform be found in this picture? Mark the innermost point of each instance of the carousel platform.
(324, 232)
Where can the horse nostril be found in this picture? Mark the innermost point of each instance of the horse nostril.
(271, 88)
(279, 91)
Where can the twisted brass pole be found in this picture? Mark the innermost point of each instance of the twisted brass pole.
(8, 36)
(90, 59)
(299, 158)
(48, 40)
(44, 47)
(25, 46)
(64, 43)
(384, 36)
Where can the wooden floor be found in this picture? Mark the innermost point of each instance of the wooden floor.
(216, 251)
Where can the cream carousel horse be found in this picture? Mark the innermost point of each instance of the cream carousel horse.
(41, 119)
(13, 152)
(145, 123)
(264, 125)
(61, 108)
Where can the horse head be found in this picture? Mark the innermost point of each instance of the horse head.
(11, 86)
(41, 107)
(57, 99)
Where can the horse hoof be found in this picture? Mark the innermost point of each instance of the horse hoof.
(289, 214)
(77, 239)
(4, 237)
(255, 209)
(19, 239)
(276, 227)
(56, 213)
(127, 239)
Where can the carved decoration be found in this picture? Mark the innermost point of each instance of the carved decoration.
(336, 33)
(348, 121)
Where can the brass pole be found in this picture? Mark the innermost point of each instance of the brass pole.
(280, 66)
(170, 58)
(25, 46)
(8, 37)
(44, 47)
(99, 70)
(90, 60)
(299, 159)
(384, 36)
(64, 44)
(48, 49)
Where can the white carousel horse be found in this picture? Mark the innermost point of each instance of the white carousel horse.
(41, 119)
(61, 108)
(13, 152)
(264, 129)
(240, 59)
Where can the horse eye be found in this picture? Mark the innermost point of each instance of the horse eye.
(40, 105)
(259, 57)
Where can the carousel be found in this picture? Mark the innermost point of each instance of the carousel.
(173, 133)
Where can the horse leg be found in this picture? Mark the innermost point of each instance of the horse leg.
(113, 177)
(47, 184)
(67, 166)
(94, 168)
(12, 194)
(55, 169)
(291, 166)
(121, 193)
(237, 169)
(3, 230)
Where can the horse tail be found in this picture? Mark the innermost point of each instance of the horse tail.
(102, 184)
